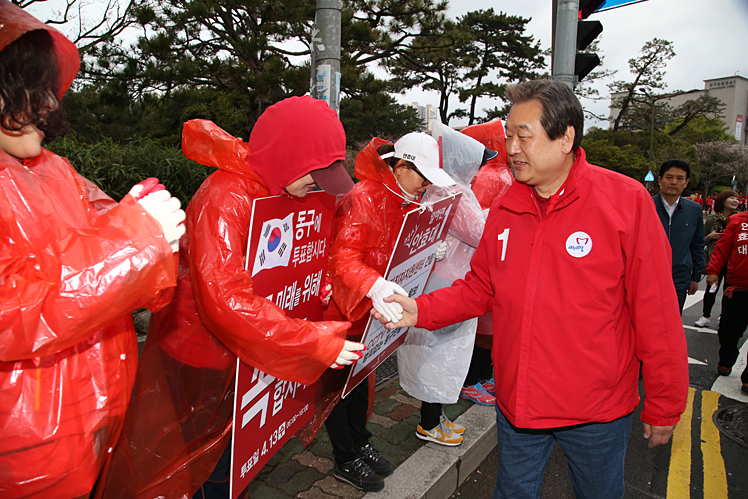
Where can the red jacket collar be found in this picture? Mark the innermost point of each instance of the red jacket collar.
(521, 197)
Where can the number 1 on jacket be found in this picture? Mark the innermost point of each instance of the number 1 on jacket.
(504, 238)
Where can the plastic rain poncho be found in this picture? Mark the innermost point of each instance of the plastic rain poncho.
(182, 412)
(493, 180)
(433, 364)
(367, 222)
(74, 264)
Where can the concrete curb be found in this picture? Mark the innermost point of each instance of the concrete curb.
(436, 471)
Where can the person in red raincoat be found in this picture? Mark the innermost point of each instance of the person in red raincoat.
(367, 223)
(74, 264)
(176, 441)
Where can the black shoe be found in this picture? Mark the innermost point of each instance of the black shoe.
(723, 371)
(375, 460)
(358, 474)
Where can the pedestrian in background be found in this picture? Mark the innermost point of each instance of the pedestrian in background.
(683, 222)
(725, 205)
(731, 251)
(575, 266)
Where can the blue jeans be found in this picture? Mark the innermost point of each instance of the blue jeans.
(596, 454)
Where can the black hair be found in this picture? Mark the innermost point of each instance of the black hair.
(675, 163)
(392, 161)
(561, 108)
(29, 83)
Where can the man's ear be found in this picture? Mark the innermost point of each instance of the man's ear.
(567, 139)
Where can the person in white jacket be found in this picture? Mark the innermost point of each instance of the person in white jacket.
(433, 364)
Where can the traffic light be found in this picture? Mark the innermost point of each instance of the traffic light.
(587, 31)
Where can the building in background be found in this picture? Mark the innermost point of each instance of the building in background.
(427, 114)
(731, 90)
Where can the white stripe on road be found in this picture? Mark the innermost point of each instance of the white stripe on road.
(729, 386)
(693, 299)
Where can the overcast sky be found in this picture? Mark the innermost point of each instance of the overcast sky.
(710, 38)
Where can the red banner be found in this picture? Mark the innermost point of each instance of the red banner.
(289, 241)
(410, 266)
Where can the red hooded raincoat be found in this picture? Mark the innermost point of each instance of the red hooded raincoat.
(183, 407)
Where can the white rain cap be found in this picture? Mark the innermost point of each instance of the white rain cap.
(423, 151)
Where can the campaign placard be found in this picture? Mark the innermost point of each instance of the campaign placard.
(287, 250)
(410, 266)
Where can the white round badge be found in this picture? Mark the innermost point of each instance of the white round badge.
(579, 244)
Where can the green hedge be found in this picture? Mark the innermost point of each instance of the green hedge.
(117, 167)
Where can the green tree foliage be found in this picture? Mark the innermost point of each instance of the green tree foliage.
(618, 151)
(228, 61)
(496, 46)
(704, 107)
(463, 58)
(115, 168)
(376, 115)
(699, 129)
(627, 152)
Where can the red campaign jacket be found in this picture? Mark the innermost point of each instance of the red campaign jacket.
(74, 264)
(579, 297)
(367, 222)
(180, 420)
(732, 250)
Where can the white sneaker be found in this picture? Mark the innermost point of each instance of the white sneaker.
(703, 322)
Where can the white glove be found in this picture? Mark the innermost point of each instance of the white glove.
(381, 289)
(350, 353)
(165, 208)
(441, 251)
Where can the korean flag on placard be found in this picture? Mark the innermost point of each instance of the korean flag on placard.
(275, 245)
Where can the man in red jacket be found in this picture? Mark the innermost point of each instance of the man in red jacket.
(576, 268)
(731, 250)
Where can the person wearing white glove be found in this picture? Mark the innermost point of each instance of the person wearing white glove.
(166, 209)
(441, 251)
(350, 353)
(381, 290)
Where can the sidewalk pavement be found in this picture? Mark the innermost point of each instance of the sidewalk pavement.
(424, 469)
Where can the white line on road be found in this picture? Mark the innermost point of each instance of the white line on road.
(729, 386)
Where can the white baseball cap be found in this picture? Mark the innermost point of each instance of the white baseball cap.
(423, 151)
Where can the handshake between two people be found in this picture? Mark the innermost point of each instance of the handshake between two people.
(392, 305)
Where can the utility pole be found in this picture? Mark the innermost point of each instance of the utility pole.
(325, 82)
(566, 17)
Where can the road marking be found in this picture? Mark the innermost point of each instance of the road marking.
(679, 475)
(693, 299)
(729, 386)
(701, 329)
(715, 479)
(697, 362)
